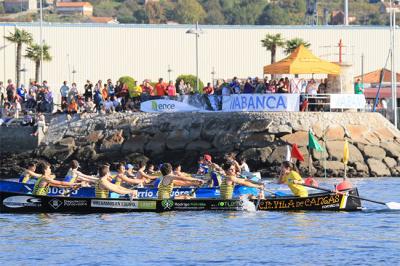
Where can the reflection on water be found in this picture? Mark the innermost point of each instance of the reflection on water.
(198, 238)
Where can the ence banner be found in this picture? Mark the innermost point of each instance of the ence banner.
(166, 106)
(347, 101)
(261, 102)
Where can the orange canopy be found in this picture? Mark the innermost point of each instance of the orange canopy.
(374, 76)
(302, 61)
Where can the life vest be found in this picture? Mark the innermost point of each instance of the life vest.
(71, 176)
(156, 182)
(40, 190)
(226, 190)
(164, 191)
(24, 178)
(102, 193)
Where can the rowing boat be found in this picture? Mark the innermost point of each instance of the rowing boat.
(12, 202)
(146, 192)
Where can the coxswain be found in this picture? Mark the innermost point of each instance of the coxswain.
(344, 185)
(292, 178)
(104, 186)
(168, 180)
(230, 180)
(46, 180)
(75, 176)
(121, 177)
(29, 173)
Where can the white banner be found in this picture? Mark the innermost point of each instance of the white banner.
(261, 102)
(347, 101)
(166, 106)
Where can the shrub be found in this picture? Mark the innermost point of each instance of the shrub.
(129, 81)
(190, 79)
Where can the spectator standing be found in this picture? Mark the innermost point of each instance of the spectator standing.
(21, 92)
(322, 87)
(281, 88)
(235, 86)
(182, 88)
(147, 88)
(110, 87)
(64, 90)
(209, 90)
(271, 87)
(2, 93)
(104, 92)
(98, 87)
(287, 84)
(312, 88)
(11, 91)
(161, 87)
(135, 93)
(171, 90)
(248, 87)
(73, 93)
(358, 87)
(260, 86)
(88, 90)
(226, 90)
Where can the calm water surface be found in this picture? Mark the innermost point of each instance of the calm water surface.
(370, 237)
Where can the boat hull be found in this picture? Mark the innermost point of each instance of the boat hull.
(12, 202)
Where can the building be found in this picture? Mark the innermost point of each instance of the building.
(337, 18)
(385, 7)
(15, 6)
(105, 20)
(79, 8)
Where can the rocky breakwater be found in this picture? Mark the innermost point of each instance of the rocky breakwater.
(374, 143)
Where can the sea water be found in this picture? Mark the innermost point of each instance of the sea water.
(370, 237)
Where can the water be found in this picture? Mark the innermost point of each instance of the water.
(370, 237)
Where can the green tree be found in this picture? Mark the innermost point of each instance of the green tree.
(271, 42)
(33, 52)
(292, 45)
(19, 37)
(273, 15)
(128, 81)
(190, 79)
(105, 9)
(189, 12)
(214, 13)
(155, 13)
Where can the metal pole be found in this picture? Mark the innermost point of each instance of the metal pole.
(41, 41)
(197, 57)
(346, 12)
(362, 69)
(394, 78)
(4, 53)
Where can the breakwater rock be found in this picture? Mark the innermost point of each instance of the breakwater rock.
(374, 143)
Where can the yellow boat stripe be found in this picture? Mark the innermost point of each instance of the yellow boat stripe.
(343, 202)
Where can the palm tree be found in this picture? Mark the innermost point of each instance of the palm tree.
(271, 42)
(33, 52)
(19, 37)
(292, 45)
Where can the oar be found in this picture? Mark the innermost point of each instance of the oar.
(390, 205)
(259, 198)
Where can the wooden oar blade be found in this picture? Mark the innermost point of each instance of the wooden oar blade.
(393, 205)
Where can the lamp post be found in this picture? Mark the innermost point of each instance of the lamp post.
(213, 75)
(169, 73)
(73, 74)
(392, 14)
(197, 31)
(41, 40)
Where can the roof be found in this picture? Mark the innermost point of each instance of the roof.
(374, 76)
(385, 92)
(101, 19)
(302, 61)
(74, 4)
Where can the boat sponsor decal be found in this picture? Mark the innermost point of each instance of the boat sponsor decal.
(75, 203)
(114, 204)
(261, 102)
(167, 204)
(191, 205)
(22, 201)
(166, 106)
(300, 203)
(153, 193)
(55, 203)
(227, 205)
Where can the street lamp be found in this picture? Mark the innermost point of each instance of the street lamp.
(197, 31)
(393, 58)
(73, 74)
(169, 73)
(41, 40)
(213, 75)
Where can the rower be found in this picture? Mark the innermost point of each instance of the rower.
(168, 180)
(129, 171)
(46, 179)
(121, 178)
(29, 173)
(291, 177)
(141, 174)
(203, 168)
(104, 186)
(230, 179)
(75, 176)
(213, 170)
(244, 168)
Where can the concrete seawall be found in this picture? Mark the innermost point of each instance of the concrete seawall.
(18, 139)
(259, 137)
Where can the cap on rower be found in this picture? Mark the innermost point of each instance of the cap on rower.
(207, 157)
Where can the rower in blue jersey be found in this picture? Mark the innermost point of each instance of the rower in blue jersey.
(214, 170)
(75, 176)
(29, 173)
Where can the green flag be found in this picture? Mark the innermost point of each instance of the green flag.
(313, 143)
